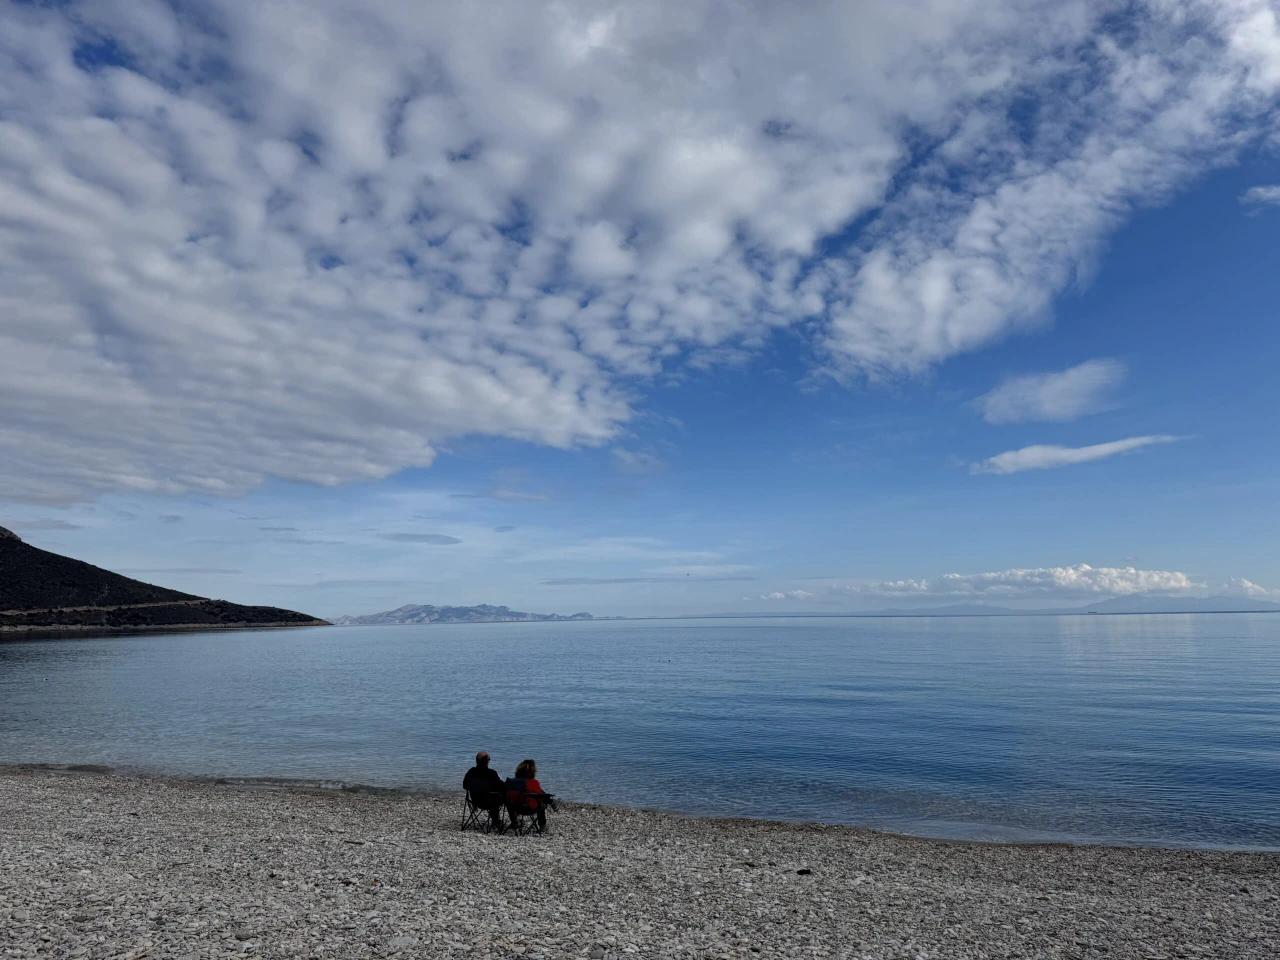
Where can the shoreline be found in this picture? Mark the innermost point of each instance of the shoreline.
(435, 793)
(72, 631)
(121, 866)
(11, 633)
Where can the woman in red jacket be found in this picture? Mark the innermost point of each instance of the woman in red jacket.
(527, 770)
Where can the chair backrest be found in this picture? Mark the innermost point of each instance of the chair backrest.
(523, 806)
(482, 797)
(520, 801)
(480, 787)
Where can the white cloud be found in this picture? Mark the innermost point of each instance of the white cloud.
(1257, 197)
(1048, 456)
(788, 595)
(980, 241)
(598, 253)
(1066, 395)
(1240, 587)
(1011, 584)
(257, 239)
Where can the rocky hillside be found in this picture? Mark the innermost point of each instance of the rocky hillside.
(43, 592)
(427, 613)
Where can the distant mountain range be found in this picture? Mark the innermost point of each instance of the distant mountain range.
(44, 593)
(1149, 604)
(427, 613)
(486, 613)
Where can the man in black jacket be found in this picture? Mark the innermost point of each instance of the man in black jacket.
(485, 788)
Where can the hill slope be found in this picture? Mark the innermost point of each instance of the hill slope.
(43, 592)
(427, 613)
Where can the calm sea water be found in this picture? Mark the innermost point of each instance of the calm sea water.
(1138, 729)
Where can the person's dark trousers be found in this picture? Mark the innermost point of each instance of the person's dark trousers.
(513, 812)
(492, 804)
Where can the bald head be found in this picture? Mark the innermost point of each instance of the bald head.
(482, 759)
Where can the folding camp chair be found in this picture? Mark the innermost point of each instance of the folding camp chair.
(475, 811)
(522, 817)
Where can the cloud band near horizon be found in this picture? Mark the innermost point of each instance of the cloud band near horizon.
(1078, 580)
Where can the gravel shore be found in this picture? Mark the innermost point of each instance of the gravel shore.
(108, 866)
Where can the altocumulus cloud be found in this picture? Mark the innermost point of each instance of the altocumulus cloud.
(235, 248)
(1048, 456)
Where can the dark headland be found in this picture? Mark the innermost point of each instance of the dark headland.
(43, 594)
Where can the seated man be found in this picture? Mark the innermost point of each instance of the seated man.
(485, 788)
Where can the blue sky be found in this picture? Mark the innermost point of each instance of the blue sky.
(627, 311)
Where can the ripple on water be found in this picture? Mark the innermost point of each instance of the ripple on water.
(1159, 729)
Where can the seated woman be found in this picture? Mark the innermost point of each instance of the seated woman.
(533, 798)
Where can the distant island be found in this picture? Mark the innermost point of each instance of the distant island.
(1136, 604)
(43, 593)
(427, 613)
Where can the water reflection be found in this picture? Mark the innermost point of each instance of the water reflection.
(1137, 728)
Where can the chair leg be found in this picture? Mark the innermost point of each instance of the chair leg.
(469, 812)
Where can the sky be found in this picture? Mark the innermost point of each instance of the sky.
(644, 309)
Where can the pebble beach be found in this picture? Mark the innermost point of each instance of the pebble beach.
(101, 865)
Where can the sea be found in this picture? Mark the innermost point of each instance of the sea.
(1161, 729)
